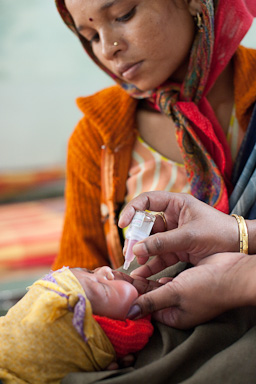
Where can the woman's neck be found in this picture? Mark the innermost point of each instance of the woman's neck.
(145, 105)
(221, 97)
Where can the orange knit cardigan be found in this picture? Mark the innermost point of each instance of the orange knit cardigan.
(99, 156)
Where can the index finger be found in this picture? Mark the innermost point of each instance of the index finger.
(153, 201)
(141, 284)
(155, 265)
(163, 297)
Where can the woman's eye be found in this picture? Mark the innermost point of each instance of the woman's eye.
(95, 38)
(127, 16)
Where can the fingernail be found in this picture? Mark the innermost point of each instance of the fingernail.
(134, 311)
(140, 249)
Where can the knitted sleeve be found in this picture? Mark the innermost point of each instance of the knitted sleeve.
(83, 242)
(128, 336)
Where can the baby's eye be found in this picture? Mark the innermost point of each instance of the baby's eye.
(127, 16)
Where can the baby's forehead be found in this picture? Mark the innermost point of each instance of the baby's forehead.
(84, 270)
(83, 274)
(92, 271)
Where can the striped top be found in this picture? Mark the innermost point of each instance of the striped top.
(150, 171)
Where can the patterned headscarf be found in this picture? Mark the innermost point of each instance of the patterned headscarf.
(200, 137)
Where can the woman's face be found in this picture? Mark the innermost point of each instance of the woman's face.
(154, 37)
(108, 296)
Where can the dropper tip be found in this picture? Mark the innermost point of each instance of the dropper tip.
(126, 265)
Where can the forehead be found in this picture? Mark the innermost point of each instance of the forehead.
(84, 272)
(100, 5)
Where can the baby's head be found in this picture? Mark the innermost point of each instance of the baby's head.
(109, 296)
(71, 320)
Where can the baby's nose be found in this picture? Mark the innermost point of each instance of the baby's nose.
(106, 272)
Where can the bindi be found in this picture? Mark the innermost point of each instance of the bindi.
(90, 19)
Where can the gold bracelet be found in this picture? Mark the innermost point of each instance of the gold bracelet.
(243, 234)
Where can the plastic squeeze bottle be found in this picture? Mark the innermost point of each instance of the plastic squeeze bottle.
(139, 229)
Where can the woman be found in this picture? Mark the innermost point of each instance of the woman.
(183, 80)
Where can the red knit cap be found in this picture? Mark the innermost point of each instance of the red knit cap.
(128, 336)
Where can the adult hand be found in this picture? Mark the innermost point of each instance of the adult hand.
(124, 362)
(194, 230)
(142, 285)
(218, 283)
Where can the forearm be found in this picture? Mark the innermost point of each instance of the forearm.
(248, 287)
(251, 225)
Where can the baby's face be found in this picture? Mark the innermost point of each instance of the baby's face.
(109, 296)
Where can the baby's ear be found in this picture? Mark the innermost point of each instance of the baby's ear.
(194, 7)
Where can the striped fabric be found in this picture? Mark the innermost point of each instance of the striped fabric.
(150, 171)
(31, 184)
(30, 233)
(243, 198)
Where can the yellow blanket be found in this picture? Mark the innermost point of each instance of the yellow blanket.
(51, 332)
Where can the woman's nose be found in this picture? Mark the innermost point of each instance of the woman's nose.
(109, 46)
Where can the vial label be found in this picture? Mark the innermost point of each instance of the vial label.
(138, 219)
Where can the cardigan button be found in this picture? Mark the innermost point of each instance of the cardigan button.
(104, 210)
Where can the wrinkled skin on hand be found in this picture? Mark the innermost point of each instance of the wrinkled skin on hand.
(194, 231)
(221, 278)
(216, 284)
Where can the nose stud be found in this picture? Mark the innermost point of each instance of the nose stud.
(115, 43)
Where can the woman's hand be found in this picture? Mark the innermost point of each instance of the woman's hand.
(142, 286)
(218, 283)
(140, 283)
(194, 231)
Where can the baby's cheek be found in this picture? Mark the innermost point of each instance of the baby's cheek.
(126, 291)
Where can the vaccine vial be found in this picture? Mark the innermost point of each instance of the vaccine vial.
(139, 229)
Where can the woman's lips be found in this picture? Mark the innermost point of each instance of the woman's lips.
(129, 72)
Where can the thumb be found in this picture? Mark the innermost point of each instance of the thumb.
(160, 298)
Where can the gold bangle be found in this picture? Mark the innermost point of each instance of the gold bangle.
(243, 234)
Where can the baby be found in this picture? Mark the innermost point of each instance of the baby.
(71, 320)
